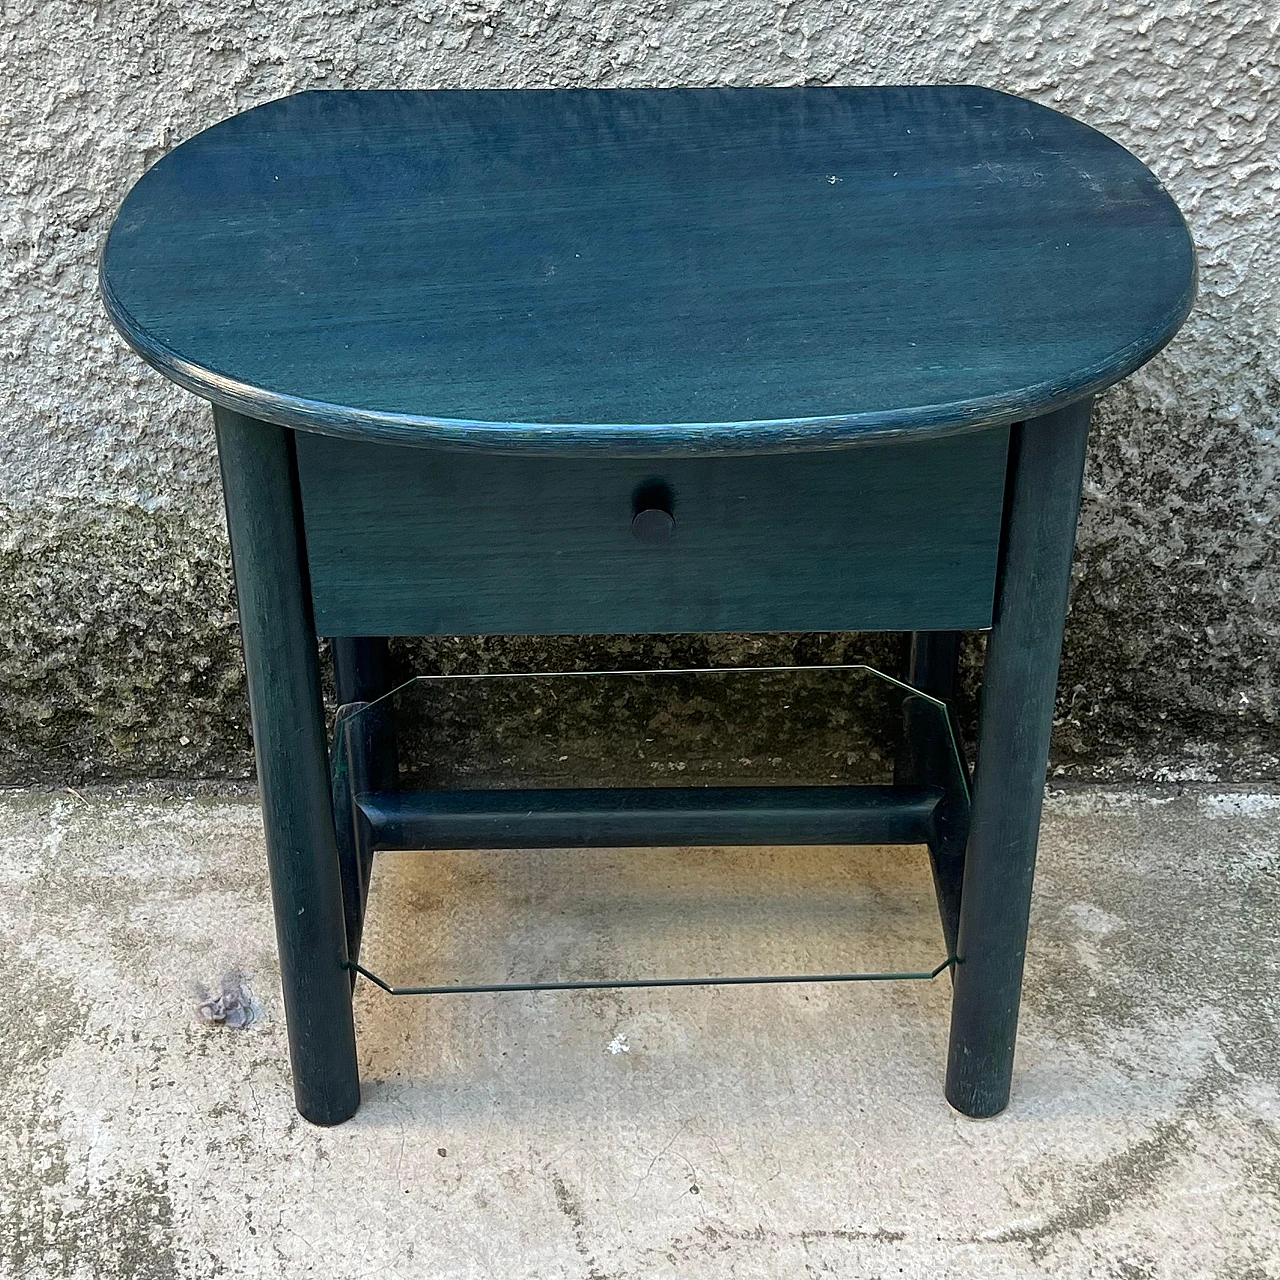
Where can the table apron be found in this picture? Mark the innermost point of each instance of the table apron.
(892, 536)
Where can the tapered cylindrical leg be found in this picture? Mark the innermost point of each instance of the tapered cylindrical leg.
(361, 667)
(933, 663)
(264, 521)
(1019, 684)
(928, 757)
(362, 675)
(365, 760)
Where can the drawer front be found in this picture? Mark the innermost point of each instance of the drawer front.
(885, 537)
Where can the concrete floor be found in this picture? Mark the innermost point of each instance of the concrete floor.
(694, 1133)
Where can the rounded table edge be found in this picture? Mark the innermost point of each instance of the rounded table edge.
(784, 435)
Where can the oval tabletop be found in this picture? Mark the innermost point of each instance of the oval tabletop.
(654, 271)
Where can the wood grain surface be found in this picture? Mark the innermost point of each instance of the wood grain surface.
(899, 536)
(650, 271)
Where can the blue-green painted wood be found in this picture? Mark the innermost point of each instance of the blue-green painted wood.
(927, 757)
(648, 271)
(361, 760)
(1019, 682)
(898, 536)
(348, 772)
(282, 665)
(361, 668)
(653, 817)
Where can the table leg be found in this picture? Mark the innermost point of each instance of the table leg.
(933, 668)
(365, 760)
(259, 480)
(363, 674)
(361, 668)
(1019, 684)
(933, 663)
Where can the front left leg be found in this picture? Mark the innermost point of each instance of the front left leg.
(282, 664)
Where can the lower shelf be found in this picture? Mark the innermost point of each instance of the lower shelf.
(437, 765)
(579, 920)
(617, 984)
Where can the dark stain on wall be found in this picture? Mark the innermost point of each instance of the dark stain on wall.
(121, 657)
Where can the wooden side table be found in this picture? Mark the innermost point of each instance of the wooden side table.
(549, 362)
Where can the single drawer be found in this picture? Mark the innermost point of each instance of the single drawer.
(883, 537)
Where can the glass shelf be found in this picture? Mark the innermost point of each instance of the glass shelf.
(476, 917)
(620, 916)
(724, 726)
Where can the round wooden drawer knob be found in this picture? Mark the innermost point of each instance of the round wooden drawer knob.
(653, 525)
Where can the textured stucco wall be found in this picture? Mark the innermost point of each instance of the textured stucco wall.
(117, 637)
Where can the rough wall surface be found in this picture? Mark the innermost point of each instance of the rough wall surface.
(117, 632)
